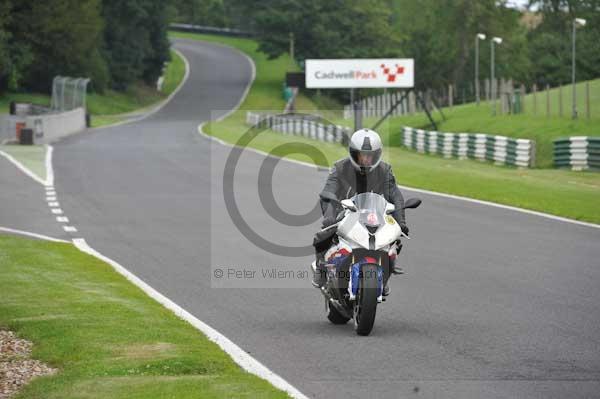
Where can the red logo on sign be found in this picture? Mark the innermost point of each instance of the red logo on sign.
(392, 72)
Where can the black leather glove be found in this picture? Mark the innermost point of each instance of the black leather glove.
(404, 228)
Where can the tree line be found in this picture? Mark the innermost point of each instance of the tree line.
(438, 34)
(113, 42)
(116, 42)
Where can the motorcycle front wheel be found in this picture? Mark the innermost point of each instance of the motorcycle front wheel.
(365, 305)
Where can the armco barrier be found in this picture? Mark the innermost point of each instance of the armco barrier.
(298, 126)
(499, 149)
(52, 126)
(577, 152)
(8, 127)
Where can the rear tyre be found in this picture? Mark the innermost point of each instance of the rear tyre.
(333, 315)
(365, 305)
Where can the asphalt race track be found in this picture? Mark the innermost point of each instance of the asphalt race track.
(495, 303)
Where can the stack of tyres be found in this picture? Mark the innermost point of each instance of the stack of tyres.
(577, 153)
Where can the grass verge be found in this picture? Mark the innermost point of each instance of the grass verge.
(108, 338)
(565, 193)
(470, 118)
(33, 157)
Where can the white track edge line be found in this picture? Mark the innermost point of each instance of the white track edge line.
(22, 167)
(246, 90)
(248, 86)
(238, 355)
(158, 107)
(49, 169)
(34, 235)
(243, 359)
(420, 190)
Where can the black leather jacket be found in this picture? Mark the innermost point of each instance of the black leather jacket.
(344, 182)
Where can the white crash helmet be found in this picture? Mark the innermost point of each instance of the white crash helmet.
(365, 150)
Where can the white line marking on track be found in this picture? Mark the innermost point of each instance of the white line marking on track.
(49, 169)
(451, 196)
(69, 229)
(241, 357)
(50, 193)
(53, 204)
(30, 234)
(159, 106)
(49, 188)
(52, 198)
(62, 219)
(57, 211)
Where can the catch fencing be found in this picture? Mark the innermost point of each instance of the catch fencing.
(377, 106)
(68, 93)
(577, 152)
(502, 96)
(499, 149)
(300, 126)
(65, 116)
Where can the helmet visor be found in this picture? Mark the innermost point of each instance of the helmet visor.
(365, 158)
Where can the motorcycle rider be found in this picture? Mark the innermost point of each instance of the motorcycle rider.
(362, 171)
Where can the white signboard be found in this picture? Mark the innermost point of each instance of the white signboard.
(351, 73)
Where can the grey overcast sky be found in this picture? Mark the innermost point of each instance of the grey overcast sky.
(518, 3)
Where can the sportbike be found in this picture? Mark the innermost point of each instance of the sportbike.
(366, 239)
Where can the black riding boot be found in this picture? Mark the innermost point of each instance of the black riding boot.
(319, 276)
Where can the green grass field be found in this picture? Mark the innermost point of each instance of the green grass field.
(471, 118)
(33, 157)
(112, 106)
(107, 338)
(570, 194)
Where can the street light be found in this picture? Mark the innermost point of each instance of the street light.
(480, 36)
(576, 22)
(493, 84)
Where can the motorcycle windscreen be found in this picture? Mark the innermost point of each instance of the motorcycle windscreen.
(371, 208)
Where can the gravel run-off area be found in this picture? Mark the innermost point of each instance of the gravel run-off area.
(16, 367)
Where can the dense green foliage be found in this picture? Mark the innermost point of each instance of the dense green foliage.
(119, 42)
(438, 34)
(136, 40)
(199, 12)
(115, 43)
(550, 42)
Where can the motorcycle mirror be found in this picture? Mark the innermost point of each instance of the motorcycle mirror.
(348, 204)
(412, 203)
(389, 208)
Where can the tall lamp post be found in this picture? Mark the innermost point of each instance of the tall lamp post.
(493, 84)
(576, 22)
(480, 36)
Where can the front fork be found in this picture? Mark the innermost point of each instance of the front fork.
(362, 258)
